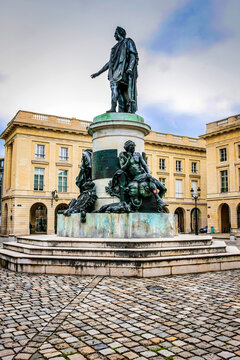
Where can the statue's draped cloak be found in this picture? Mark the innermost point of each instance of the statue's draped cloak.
(85, 170)
(119, 64)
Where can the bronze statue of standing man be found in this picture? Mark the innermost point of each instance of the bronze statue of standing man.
(122, 73)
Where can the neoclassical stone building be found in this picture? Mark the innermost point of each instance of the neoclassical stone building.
(223, 174)
(1, 184)
(42, 160)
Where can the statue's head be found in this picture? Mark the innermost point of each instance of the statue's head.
(88, 151)
(129, 146)
(120, 33)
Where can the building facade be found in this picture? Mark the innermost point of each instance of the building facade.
(179, 162)
(43, 156)
(42, 160)
(1, 185)
(223, 174)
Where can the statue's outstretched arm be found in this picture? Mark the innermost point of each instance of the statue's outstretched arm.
(104, 68)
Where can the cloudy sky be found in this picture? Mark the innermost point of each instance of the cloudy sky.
(189, 59)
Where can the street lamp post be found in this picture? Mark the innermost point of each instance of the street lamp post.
(195, 196)
(54, 197)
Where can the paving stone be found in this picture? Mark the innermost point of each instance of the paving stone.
(130, 355)
(23, 356)
(77, 357)
(99, 346)
(82, 316)
(185, 354)
(225, 354)
(122, 349)
(179, 343)
(199, 351)
(115, 357)
(6, 352)
(165, 353)
(107, 351)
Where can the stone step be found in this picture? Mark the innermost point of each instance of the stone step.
(114, 266)
(56, 241)
(216, 247)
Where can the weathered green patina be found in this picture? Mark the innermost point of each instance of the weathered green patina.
(118, 116)
(132, 225)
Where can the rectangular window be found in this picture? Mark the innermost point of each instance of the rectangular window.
(62, 180)
(239, 151)
(162, 164)
(63, 153)
(179, 192)
(40, 151)
(178, 165)
(194, 186)
(224, 180)
(38, 178)
(163, 181)
(194, 168)
(223, 154)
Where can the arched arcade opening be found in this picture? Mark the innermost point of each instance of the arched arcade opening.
(180, 217)
(225, 218)
(58, 210)
(4, 225)
(238, 216)
(38, 219)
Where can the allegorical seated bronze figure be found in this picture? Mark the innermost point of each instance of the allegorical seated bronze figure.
(134, 183)
(85, 173)
(87, 198)
(122, 73)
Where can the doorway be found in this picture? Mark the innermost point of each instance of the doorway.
(38, 219)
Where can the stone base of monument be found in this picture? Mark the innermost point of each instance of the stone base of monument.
(110, 131)
(139, 257)
(105, 225)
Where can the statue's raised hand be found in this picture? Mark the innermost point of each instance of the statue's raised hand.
(94, 75)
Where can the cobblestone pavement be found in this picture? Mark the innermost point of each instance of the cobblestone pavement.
(76, 318)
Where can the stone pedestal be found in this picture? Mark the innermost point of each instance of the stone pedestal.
(118, 226)
(110, 131)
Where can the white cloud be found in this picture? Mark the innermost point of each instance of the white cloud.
(197, 83)
(50, 48)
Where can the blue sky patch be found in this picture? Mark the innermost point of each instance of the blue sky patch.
(1, 148)
(164, 120)
(190, 28)
(3, 126)
(235, 109)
